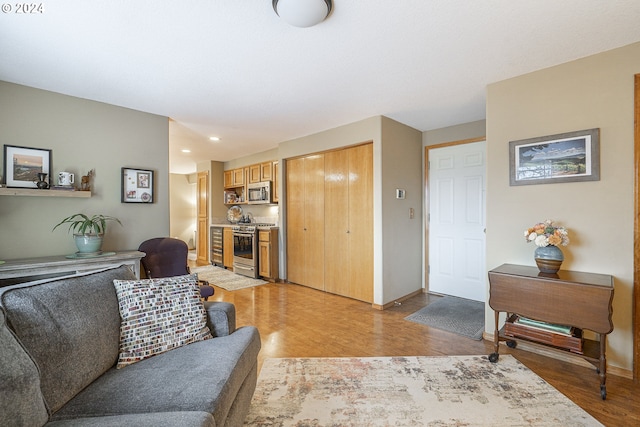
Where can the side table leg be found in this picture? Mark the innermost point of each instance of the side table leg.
(603, 366)
(493, 357)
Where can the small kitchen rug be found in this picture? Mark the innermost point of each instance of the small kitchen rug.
(458, 315)
(225, 279)
(408, 391)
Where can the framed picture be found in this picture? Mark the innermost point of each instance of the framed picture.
(566, 157)
(23, 164)
(137, 186)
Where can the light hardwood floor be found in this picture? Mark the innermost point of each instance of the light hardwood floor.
(296, 321)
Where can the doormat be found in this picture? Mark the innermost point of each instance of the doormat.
(225, 279)
(408, 391)
(458, 315)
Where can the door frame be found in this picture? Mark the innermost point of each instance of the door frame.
(636, 234)
(427, 194)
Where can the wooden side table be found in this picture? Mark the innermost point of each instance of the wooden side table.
(581, 300)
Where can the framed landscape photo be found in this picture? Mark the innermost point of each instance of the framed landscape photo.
(23, 164)
(566, 157)
(137, 186)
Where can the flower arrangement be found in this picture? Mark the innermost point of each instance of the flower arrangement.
(547, 233)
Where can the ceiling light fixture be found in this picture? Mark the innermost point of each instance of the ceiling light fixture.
(214, 138)
(186, 151)
(303, 13)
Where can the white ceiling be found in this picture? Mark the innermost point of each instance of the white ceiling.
(233, 69)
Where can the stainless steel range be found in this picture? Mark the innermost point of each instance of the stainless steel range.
(245, 248)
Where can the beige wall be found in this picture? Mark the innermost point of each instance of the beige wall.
(477, 129)
(593, 92)
(83, 135)
(182, 212)
(402, 234)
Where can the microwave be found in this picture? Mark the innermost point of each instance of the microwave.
(259, 193)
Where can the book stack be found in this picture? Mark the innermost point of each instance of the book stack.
(565, 337)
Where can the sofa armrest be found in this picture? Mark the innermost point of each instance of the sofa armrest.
(221, 317)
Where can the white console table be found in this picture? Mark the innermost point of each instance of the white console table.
(56, 265)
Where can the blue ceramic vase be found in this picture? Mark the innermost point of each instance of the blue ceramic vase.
(548, 258)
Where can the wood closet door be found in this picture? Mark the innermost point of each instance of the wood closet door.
(295, 220)
(305, 221)
(337, 248)
(361, 222)
(349, 222)
(314, 240)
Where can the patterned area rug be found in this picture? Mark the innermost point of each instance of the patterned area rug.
(458, 315)
(225, 279)
(408, 391)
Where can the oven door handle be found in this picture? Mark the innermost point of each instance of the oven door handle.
(244, 234)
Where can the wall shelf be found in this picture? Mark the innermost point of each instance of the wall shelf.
(43, 193)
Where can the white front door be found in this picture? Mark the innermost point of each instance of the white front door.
(457, 221)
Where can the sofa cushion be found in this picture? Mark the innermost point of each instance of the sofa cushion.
(158, 419)
(159, 315)
(70, 327)
(203, 376)
(22, 403)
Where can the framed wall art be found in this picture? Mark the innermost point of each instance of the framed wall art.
(566, 157)
(137, 185)
(23, 164)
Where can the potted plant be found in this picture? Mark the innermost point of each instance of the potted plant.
(87, 231)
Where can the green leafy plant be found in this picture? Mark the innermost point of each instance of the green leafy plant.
(82, 224)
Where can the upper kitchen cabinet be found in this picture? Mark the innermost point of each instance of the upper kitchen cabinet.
(261, 172)
(276, 181)
(234, 178)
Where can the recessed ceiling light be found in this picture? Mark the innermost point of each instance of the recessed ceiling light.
(186, 151)
(214, 138)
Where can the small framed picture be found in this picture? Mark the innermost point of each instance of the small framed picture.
(137, 186)
(566, 157)
(22, 165)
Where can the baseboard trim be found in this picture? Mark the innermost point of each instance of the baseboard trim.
(396, 301)
(563, 356)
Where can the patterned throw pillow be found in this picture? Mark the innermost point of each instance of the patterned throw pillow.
(158, 315)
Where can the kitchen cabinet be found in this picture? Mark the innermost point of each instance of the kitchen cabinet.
(268, 254)
(234, 186)
(260, 172)
(227, 247)
(276, 181)
(349, 222)
(305, 221)
(234, 178)
(254, 174)
(202, 242)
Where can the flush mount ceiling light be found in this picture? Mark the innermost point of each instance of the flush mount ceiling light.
(303, 13)
(214, 138)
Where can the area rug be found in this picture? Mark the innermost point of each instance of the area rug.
(458, 315)
(408, 391)
(227, 280)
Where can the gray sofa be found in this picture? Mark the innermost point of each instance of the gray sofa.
(59, 341)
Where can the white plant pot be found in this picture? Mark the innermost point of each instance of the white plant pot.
(88, 243)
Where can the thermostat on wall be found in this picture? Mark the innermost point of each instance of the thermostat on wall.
(400, 193)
